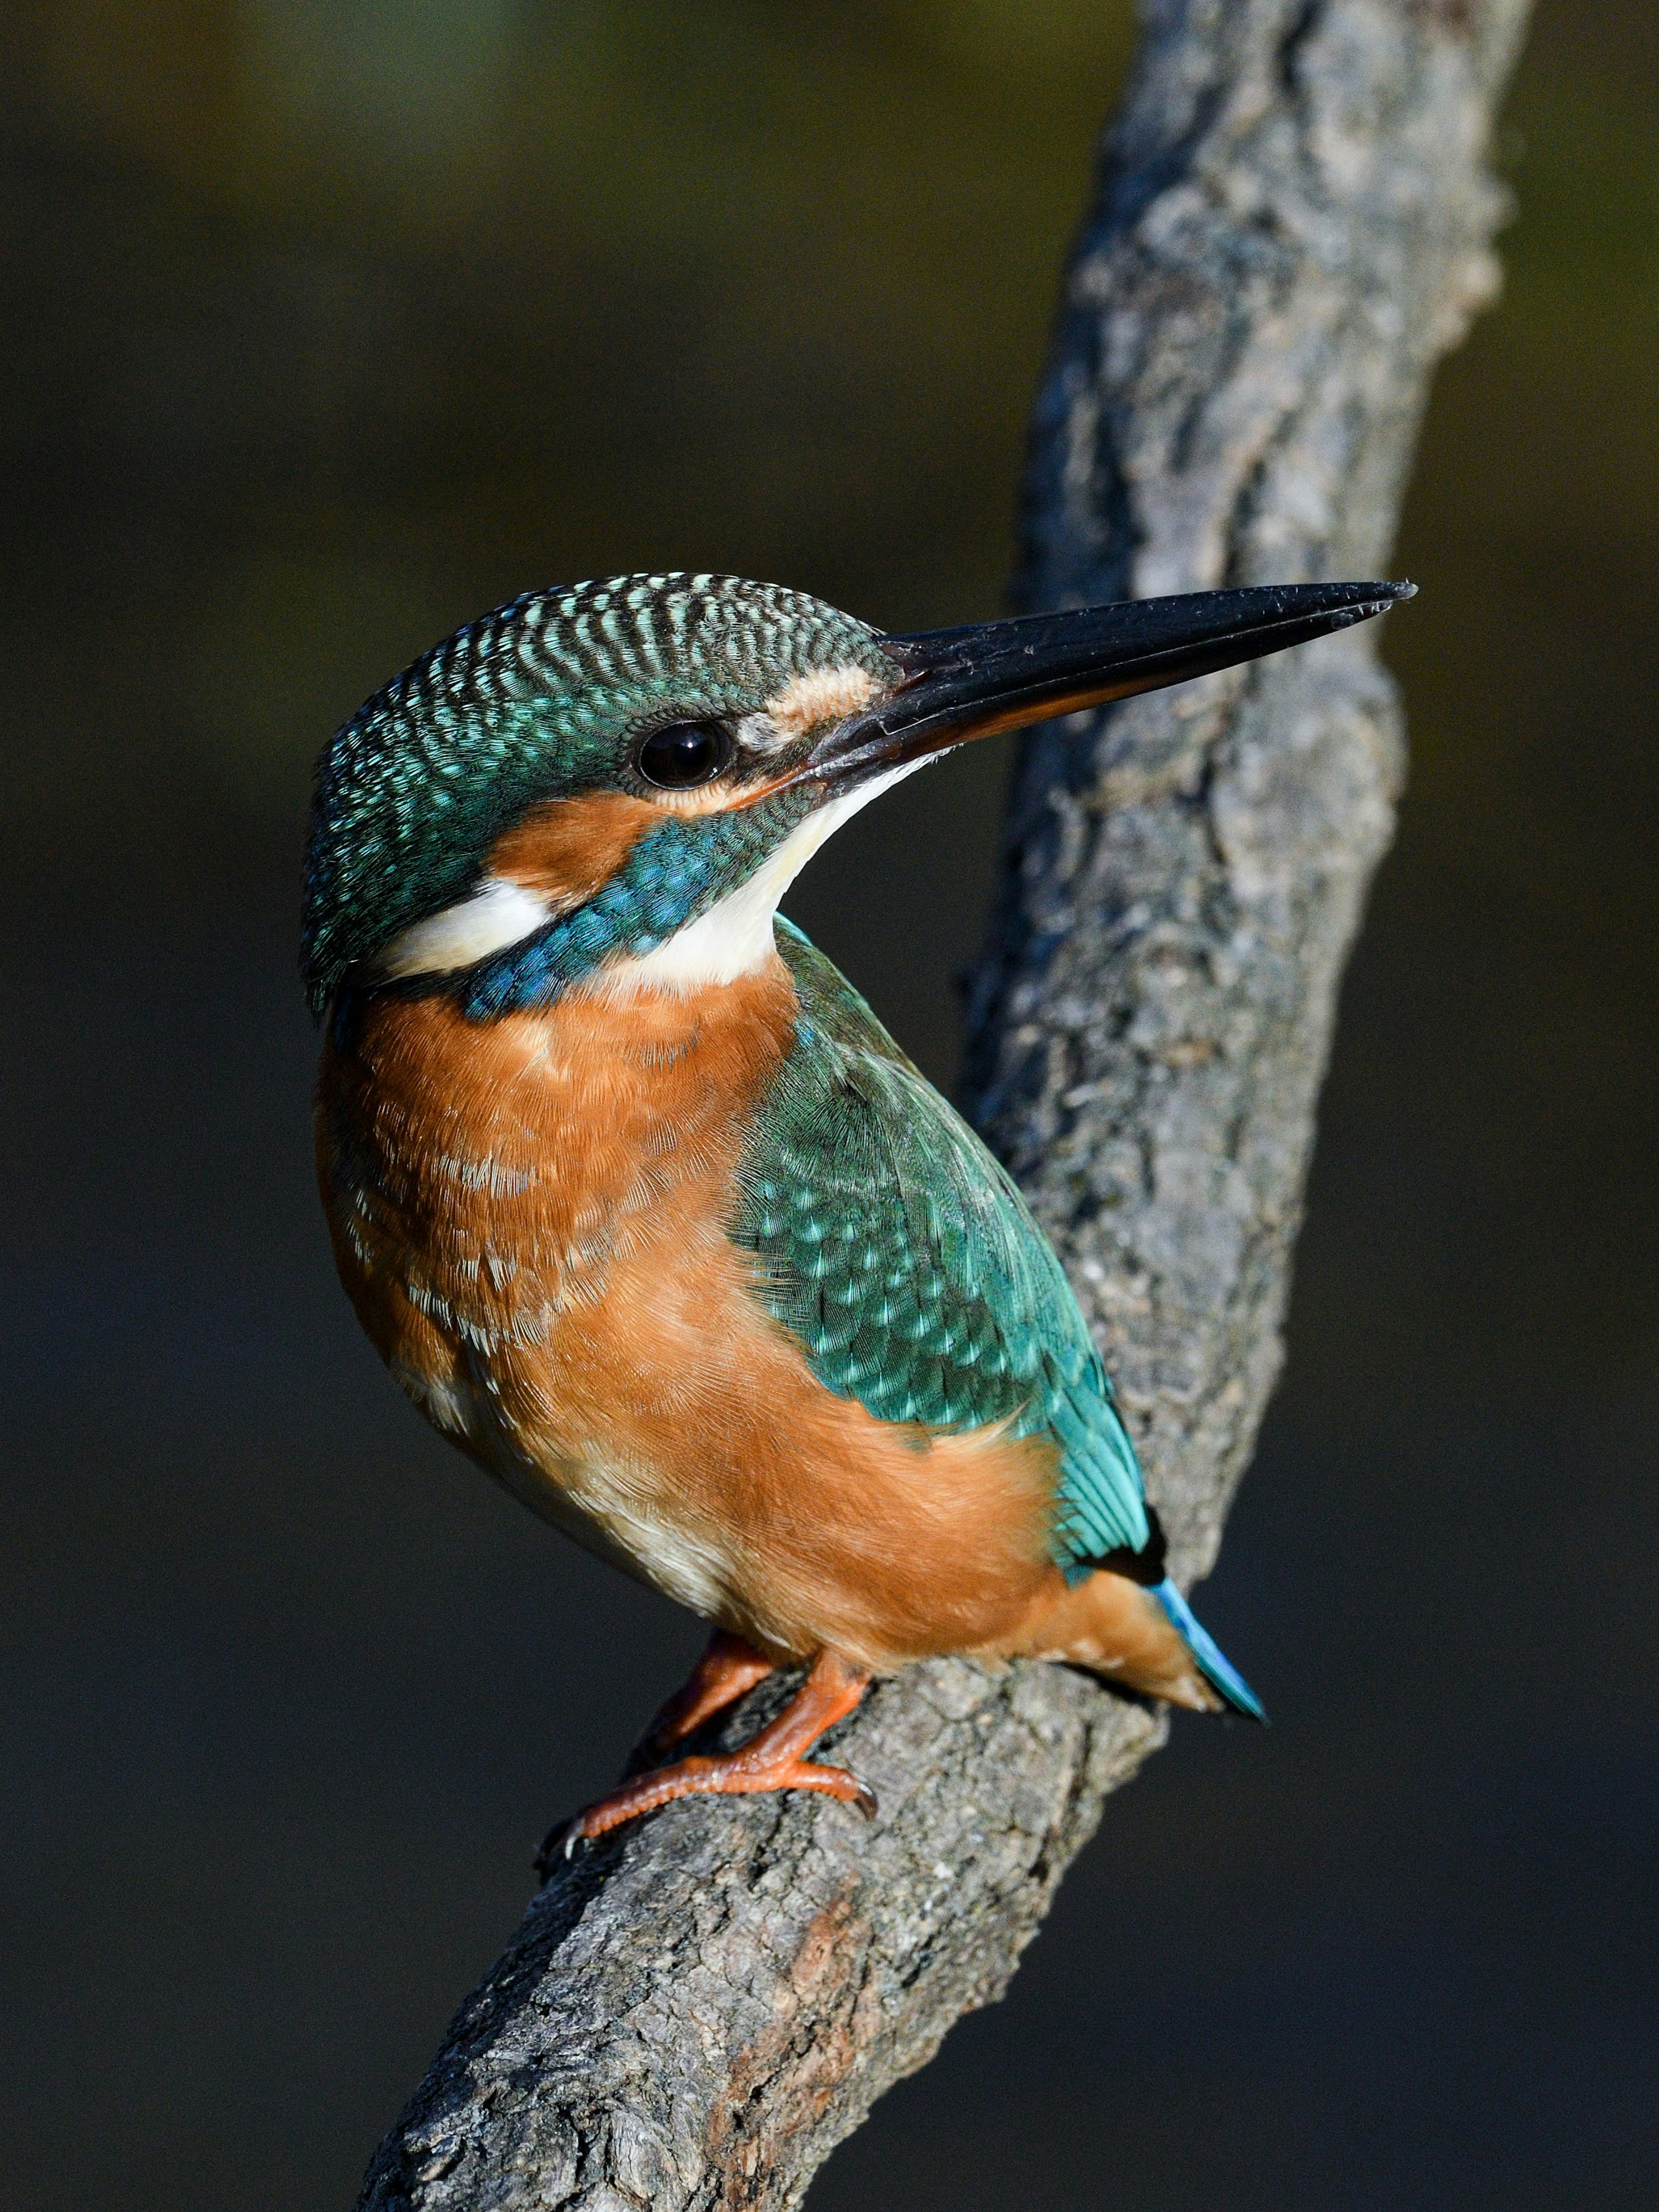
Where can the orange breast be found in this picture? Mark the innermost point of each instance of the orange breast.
(530, 1216)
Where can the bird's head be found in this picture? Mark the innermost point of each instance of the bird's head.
(617, 782)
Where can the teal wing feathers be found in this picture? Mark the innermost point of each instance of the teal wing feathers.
(900, 1255)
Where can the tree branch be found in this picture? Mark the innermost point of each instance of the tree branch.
(1292, 223)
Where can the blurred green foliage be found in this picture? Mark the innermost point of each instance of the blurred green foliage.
(376, 312)
(398, 308)
(329, 323)
(337, 321)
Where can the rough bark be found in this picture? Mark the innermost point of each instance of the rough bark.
(1292, 223)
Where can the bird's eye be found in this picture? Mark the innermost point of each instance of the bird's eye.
(684, 754)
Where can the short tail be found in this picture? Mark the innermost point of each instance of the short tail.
(1223, 1677)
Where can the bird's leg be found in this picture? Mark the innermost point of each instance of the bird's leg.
(726, 1669)
(775, 1759)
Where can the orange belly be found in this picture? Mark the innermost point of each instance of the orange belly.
(529, 1217)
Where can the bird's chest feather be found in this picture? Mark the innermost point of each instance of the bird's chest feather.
(531, 1217)
(492, 1184)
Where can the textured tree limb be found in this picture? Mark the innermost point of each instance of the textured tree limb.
(1292, 223)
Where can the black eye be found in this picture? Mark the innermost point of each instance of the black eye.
(684, 754)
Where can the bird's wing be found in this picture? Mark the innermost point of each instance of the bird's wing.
(900, 1253)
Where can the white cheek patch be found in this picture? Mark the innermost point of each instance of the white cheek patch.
(735, 938)
(500, 913)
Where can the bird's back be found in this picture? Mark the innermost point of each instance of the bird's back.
(900, 1253)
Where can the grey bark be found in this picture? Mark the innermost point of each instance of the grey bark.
(1292, 223)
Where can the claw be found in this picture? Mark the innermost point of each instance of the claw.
(560, 1841)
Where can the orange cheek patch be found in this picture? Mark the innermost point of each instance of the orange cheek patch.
(569, 848)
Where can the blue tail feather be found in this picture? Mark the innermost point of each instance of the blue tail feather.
(1217, 1670)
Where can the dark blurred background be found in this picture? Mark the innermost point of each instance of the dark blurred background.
(328, 324)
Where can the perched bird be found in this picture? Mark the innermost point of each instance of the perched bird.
(642, 1206)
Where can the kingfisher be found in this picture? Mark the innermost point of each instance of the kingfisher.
(641, 1204)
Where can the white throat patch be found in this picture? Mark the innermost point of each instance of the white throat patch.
(735, 938)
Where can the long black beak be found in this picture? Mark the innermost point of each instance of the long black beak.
(969, 683)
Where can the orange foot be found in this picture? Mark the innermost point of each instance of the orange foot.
(727, 1670)
(775, 1759)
